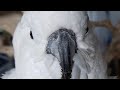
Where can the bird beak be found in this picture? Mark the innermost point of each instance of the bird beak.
(64, 47)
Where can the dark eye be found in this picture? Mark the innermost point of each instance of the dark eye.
(31, 35)
(87, 29)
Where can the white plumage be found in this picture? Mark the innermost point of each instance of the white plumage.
(31, 60)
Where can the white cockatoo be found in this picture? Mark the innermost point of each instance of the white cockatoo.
(56, 45)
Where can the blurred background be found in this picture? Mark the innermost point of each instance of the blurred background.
(106, 25)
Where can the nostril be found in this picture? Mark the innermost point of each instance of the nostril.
(55, 36)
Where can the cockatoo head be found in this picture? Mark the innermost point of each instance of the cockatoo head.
(67, 29)
(55, 34)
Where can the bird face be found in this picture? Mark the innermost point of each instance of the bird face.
(62, 45)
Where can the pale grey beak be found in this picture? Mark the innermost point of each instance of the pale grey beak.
(62, 45)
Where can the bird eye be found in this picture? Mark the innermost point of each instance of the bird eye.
(31, 35)
(87, 29)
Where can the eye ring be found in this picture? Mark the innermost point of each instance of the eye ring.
(31, 35)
